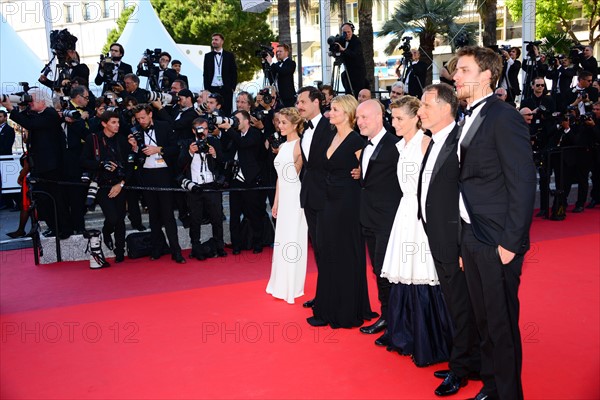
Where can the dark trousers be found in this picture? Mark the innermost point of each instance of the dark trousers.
(45, 206)
(132, 198)
(376, 245)
(249, 204)
(465, 355)
(160, 208)
(311, 220)
(227, 98)
(114, 217)
(208, 204)
(494, 291)
(74, 197)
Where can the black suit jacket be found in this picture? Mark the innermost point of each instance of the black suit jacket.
(284, 75)
(590, 65)
(184, 162)
(513, 77)
(183, 126)
(591, 91)
(248, 149)
(7, 139)
(123, 70)
(312, 175)
(182, 78)
(561, 78)
(354, 62)
(169, 77)
(380, 190)
(166, 139)
(228, 70)
(498, 177)
(441, 204)
(416, 79)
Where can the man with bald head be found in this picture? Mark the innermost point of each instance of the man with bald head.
(364, 95)
(501, 93)
(527, 115)
(380, 197)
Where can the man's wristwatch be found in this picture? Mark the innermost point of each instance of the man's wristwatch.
(122, 184)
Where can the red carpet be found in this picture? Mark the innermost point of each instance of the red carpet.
(208, 330)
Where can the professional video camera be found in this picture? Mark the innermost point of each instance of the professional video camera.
(214, 120)
(165, 98)
(576, 54)
(334, 50)
(22, 98)
(201, 141)
(529, 47)
(264, 51)
(405, 46)
(60, 43)
(152, 56)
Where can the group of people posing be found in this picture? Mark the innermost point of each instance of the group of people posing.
(442, 208)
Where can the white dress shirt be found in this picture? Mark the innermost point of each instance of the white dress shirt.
(308, 134)
(154, 160)
(369, 150)
(199, 168)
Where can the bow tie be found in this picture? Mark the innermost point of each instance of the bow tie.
(217, 53)
(469, 111)
(150, 128)
(308, 124)
(369, 143)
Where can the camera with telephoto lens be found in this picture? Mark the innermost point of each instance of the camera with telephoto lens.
(22, 98)
(86, 177)
(230, 171)
(90, 200)
(215, 119)
(188, 184)
(266, 95)
(276, 140)
(73, 114)
(165, 98)
(334, 51)
(138, 135)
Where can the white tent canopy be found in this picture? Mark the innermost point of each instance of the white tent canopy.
(145, 31)
(18, 63)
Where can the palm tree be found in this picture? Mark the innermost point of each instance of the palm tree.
(365, 27)
(425, 19)
(487, 12)
(283, 21)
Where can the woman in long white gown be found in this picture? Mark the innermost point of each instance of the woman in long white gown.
(288, 269)
(418, 321)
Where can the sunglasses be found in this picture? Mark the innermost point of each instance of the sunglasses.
(528, 114)
(539, 85)
(500, 95)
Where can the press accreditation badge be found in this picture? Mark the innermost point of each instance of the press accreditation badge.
(219, 80)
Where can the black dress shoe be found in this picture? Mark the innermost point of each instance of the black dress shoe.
(119, 258)
(154, 257)
(309, 304)
(377, 327)
(235, 252)
(592, 204)
(578, 209)
(450, 385)
(178, 258)
(480, 396)
(312, 321)
(542, 213)
(443, 373)
(257, 250)
(64, 235)
(16, 234)
(49, 233)
(108, 242)
(221, 253)
(383, 340)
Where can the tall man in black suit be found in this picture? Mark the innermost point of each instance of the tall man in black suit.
(417, 74)
(313, 145)
(355, 78)
(220, 72)
(159, 153)
(380, 196)
(562, 76)
(509, 79)
(282, 74)
(438, 211)
(497, 192)
(247, 143)
(119, 71)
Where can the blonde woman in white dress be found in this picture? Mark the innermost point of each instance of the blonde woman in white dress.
(288, 269)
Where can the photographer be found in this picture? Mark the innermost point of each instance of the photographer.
(282, 74)
(561, 74)
(595, 192)
(244, 101)
(71, 69)
(160, 77)
(588, 61)
(220, 72)
(533, 65)
(176, 66)
(156, 152)
(509, 79)
(200, 165)
(106, 156)
(132, 88)
(247, 143)
(76, 129)
(584, 94)
(117, 70)
(328, 94)
(351, 55)
(416, 75)
(44, 150)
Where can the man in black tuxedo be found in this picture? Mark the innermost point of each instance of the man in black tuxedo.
(246, 142)
(354, 61)
(7, 135)
(160, 77)
(380, 197)
(44, 144)
(438, 211)
(176, 66)
(220, 72)
(313, 145)
(119, 71)
(589, 62)
(562, 76)
(282, 74)
(74, 69)
(159, 153)
(417, 73)
(509, 79)
(584, 94)
(133, 89)
(497, 191)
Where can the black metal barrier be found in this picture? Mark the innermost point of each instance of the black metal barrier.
(35, 234)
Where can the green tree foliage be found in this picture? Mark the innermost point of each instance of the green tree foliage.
(194, 21)
(553, 14)
(115, 34)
